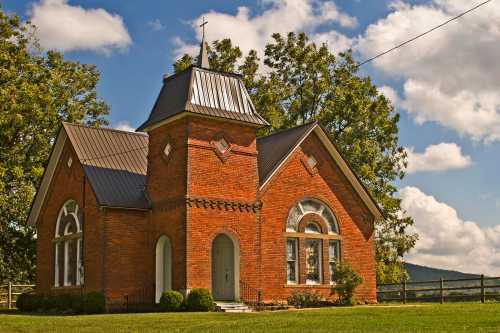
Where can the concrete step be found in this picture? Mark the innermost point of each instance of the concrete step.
(232, 307)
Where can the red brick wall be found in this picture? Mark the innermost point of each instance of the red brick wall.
(294, 182)
(127, 256)
(208, 176)
(166, 187)
(69, 183)
(119, 245)
(232, 179)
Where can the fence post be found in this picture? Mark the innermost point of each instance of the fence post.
(441, 292)
(9, 296)
(404, 292)
(483, 297)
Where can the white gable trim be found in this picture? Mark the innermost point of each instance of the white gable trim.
(347, 171)
(342, 164)
(36, 207)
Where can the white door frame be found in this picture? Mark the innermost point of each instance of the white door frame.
(163, 266)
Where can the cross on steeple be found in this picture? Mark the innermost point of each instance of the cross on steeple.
(202, 26)
(203, 56)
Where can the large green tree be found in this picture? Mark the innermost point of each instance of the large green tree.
(302, 82)
(38, 90)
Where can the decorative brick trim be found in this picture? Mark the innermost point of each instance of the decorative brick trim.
(314, 218)
(173, 203)
(224, 204)
(234, 150)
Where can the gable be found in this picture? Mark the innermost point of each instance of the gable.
(48, 174)
(114, 162)
(275, 150)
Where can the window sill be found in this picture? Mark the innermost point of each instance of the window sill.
(68, 287)
(312, 286)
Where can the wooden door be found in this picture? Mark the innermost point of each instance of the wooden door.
(223, 268)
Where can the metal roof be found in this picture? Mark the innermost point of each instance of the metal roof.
(205, 92)
(274, 148)
(115, 163)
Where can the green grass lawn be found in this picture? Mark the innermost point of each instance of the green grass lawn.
(463, 317)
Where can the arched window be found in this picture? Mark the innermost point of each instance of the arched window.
(163, 266)
(312, 228)
(68, 264)
(310, 224)
(308, 206)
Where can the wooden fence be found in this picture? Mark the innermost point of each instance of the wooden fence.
(481, 288)
(10, 292)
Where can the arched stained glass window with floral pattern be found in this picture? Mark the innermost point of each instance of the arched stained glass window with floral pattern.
(308, 206)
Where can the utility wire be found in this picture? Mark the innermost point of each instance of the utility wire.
(361, 64)
(423, 34)
(113, 154)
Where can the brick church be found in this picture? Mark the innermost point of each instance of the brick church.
(195, 199)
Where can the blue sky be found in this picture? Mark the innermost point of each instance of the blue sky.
(443, 86)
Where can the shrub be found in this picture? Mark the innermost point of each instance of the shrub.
(347, 282)
(199, 299)
(304, 299)
(77, 303)
(42, 303)
(171, 301)
(63, 303)
(94, 302)
(25, 302)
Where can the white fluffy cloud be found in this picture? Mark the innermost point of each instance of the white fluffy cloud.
(391, 94)
(440, 157)
(447, 241)
(282, 16)
(65, 27)
(124, 126)
(451, 76)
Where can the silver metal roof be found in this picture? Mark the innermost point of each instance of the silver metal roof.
(205, 92)
(115, 163)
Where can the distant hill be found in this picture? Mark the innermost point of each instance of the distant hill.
(424, 273)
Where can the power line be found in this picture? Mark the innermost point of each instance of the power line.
(361, 64)
(423, 34)
(113, 154)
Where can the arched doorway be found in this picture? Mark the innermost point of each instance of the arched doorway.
(163, 266)
(225, 268)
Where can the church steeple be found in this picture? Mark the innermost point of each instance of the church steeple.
(203, 56)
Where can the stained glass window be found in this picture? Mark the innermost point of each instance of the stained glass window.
(333, 259)
(313, 228)
(291, 257)
(308, 206)
(313, 261)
